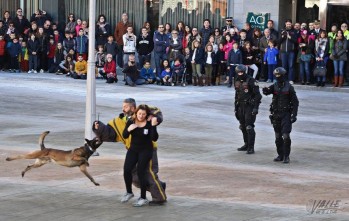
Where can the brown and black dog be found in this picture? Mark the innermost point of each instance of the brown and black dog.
(71, 158)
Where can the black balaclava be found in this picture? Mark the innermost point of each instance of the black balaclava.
(241, 77)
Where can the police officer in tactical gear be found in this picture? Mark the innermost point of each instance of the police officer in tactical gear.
(247, 100)
(283, 112)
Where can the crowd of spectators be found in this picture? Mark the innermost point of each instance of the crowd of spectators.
(173, 54)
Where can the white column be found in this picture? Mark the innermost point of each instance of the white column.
(91, 79)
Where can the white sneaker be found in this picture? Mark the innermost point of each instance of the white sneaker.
(41, 71)
(291, 82)
(127, 197)
(35, 72)
(29, 72)
(140, 202)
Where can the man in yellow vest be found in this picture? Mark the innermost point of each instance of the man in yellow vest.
(112, 132)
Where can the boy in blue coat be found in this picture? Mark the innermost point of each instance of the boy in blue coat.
(14, 49)
(270, 58)
(234, 59)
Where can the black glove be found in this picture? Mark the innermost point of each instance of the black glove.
(265, 90)
(254, 111)
(293, 118)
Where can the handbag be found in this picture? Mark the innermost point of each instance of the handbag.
(320, 69)
(306, 57)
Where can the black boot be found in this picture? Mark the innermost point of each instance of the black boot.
(243, 148)
(250, 151)
(251, 135)
(278, 159)
(286, 159)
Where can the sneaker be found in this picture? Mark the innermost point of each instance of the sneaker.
(140, 202)
(127, 197)
(268, 81)
(35, 72)
(29, 72)
(41, 71)
(291, 82)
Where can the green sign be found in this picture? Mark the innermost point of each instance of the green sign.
(258, 20)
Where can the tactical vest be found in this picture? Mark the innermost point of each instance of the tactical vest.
(244, 91)
(281, 98)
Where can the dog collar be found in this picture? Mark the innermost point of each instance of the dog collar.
(89, 149)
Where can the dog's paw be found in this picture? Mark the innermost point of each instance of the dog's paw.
(8, 159)
(23, 174)
(97, 184)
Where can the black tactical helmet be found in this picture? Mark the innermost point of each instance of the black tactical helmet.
(240, 68)
(280, 71)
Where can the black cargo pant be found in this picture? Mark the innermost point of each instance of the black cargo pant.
(282, 127)
(246, 120)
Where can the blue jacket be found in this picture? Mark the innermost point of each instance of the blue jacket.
(234, 58)
(164, 73)
(14, 49)
(147, 73)
(271, 55)
(161, 42)
(81, 44)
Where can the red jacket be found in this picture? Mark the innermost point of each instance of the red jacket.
(2, 47)
(51, 52)
(110, 67)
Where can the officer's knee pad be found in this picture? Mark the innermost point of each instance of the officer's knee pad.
(286, 136)
(249, 127)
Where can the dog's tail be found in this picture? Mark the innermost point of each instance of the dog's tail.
(41, 139)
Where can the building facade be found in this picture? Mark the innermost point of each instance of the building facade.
(192, 12)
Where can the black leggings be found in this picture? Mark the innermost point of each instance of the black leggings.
(142, 160)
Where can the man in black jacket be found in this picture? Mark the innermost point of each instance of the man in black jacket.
(287, 43)
(21, 23)
(283, 113)
(132, 74)
(144, 46)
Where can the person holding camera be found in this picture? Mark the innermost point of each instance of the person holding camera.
(287, 43)
(131, 72)
(129, 41)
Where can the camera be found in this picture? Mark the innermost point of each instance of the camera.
(132, 62)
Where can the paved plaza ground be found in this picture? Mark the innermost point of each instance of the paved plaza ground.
(207, 178)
